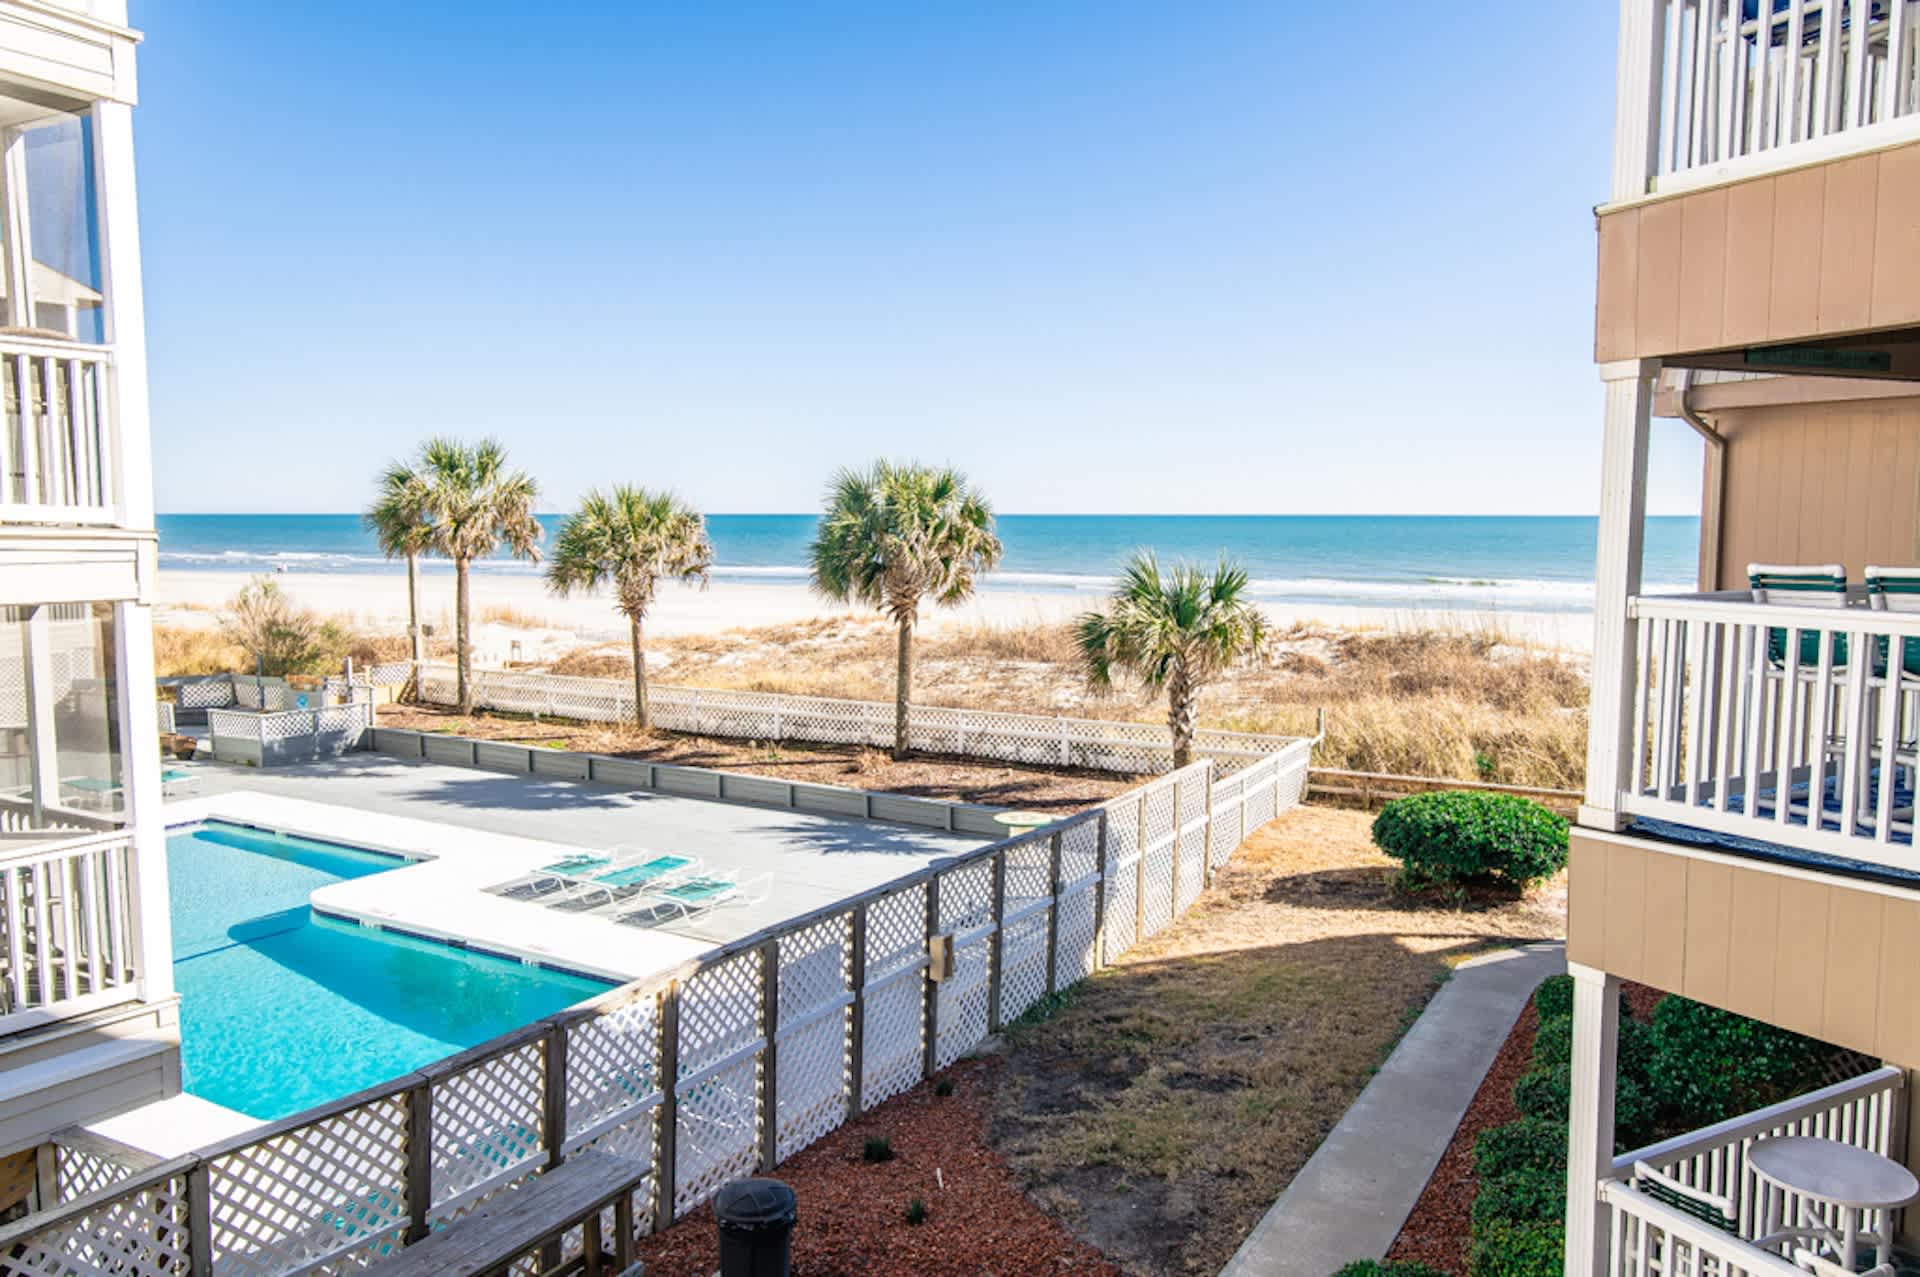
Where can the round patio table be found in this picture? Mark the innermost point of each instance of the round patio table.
(1853, 1179)
(1020, 822)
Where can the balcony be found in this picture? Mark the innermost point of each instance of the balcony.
(1772, 727)
(57, 449)
(1715, 90)
(67, 921)
(1651, 1237)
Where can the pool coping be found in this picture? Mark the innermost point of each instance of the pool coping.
(439, 894)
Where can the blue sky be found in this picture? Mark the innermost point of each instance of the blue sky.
(1106, 256)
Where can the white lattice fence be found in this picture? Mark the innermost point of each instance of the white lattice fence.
(816, 1001)
(139, 1231)
(767, 1044)
(721, 1037)
(1095, 744)
(328, 1191)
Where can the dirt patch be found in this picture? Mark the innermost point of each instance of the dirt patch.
(1166, 1102)
(996, 784)
(1440, 1227)
(853, 1213)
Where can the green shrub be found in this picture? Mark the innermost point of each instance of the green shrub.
(1706, 1065)
(878, 1148)
(1520, 1196)
(916, 1211)
(1464, 836)
(1543, 1094)
(1530, 1248)
(943, 1087)
(1386, 1268)
(1554, 998)
(1528, 1144)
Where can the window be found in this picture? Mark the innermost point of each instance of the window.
(60, 748)
(50, 275)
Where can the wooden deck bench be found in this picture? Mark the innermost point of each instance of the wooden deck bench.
(538, 1212)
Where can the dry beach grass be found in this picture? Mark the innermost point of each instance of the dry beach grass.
(1471, 704)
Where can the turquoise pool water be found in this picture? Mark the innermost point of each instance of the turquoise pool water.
(282, 1008)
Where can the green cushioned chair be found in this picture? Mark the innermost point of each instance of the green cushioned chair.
(1895, 590)
(1785, 585)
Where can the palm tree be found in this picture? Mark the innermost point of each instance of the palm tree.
(401, 523)
(475, 504)
(1176, 630)
(895, 535)
(632, 538)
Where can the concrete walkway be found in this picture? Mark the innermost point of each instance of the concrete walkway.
(1351, 1198)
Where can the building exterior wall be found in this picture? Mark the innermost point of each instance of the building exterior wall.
(1820, 251)
(1819, 483)
(1834, 958)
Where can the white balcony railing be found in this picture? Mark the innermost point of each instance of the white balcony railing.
(1741, 86)
(1791, 725)
(58, 446)
(67, 924)
(1652, 1239)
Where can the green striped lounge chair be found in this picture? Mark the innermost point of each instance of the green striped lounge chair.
(1896, 590)
(690, 898)
(1785, 585)
(641, 872)
(559, 873)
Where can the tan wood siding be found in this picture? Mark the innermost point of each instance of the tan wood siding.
(1820, 483)
(1824, 956)
(1813, 252)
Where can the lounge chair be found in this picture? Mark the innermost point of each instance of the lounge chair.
(641, 871)
(1896, 590)
(1822, 585)
(691, 898)
(555, 874)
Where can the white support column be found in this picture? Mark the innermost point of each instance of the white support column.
(1623, 508)
(1596, 1029)
(1636, 117)
(42, 745)
(140, 782)
(125, 317)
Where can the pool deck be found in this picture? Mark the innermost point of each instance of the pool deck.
(478, 829)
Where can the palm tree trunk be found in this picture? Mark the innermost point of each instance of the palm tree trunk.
(903, 682)
(413, 606)
(463, 651)
(639, 676)
(1183, 714)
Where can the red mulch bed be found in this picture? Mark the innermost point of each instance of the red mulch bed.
(1438, 1230)
(853, 1212)
(1436, 1233)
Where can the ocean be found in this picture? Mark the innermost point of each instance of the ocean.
(1413, 562)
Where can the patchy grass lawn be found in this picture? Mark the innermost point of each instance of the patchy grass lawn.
(1162, 1107)
(961, 780)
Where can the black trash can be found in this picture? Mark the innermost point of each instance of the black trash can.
(756, 1227)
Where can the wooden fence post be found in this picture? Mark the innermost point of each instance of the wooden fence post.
(932, 991)
(200, 1219)
(668, 1138)
(1179, 837)
(555, 1121)
(1140, 870)
(857, 1021)
(419, 1159)
(1206, 843)
(1053, 912)
(998, 965)
(770, 1054)
(1100, 893)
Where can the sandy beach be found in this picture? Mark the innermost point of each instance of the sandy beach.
(526, 613)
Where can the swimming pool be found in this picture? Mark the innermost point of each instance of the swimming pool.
(282, 1008)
